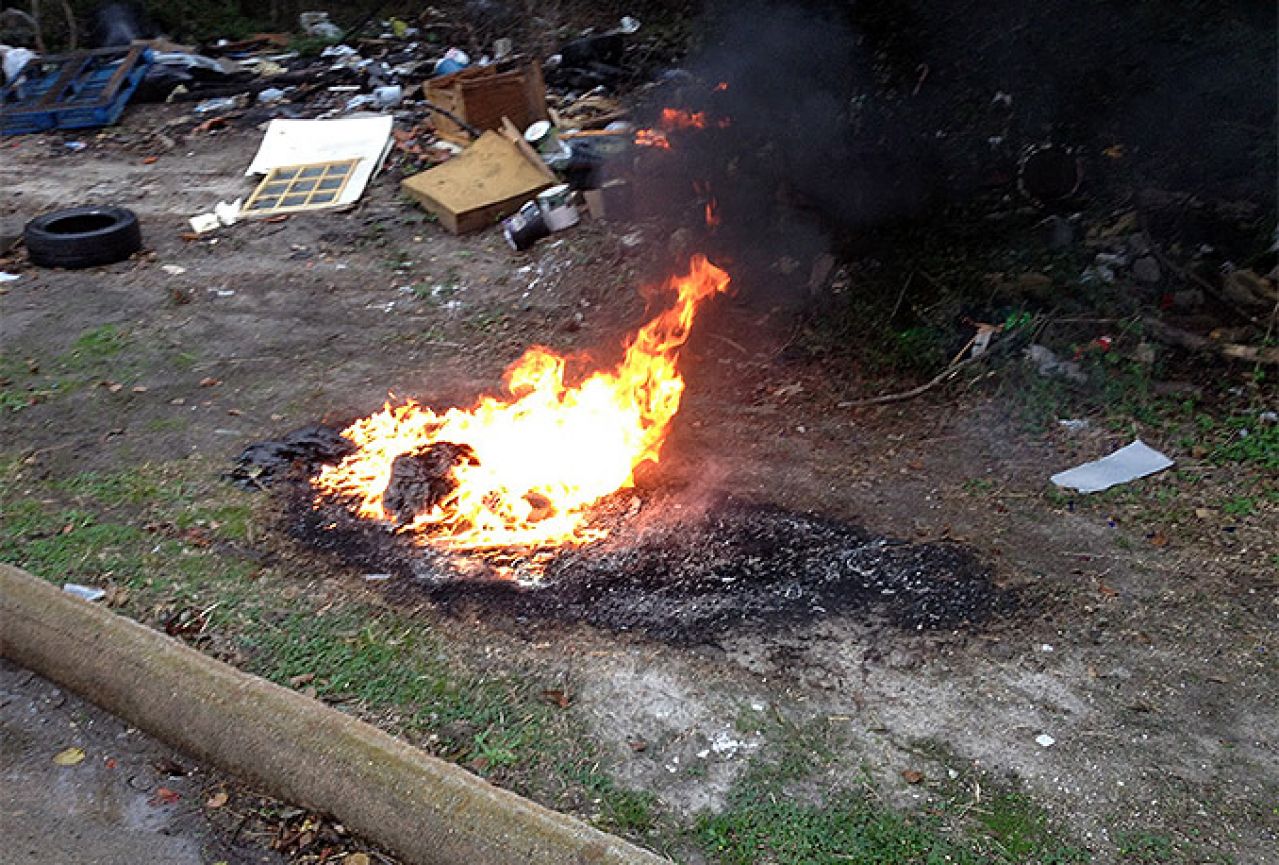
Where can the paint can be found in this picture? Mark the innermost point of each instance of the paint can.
(543, 137)
(525, 228)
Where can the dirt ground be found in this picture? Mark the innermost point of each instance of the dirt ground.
(1146, 649)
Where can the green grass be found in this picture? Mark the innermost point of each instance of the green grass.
(774, 816)
(1144, 848)
(94, 348)
(87, 528)
(1020, 831)
(96, 355)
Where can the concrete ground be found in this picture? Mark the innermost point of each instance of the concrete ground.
(129, 800)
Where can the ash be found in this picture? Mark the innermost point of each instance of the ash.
(730, 567)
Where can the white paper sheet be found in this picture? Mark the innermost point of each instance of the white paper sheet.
(1126, 464)
(302, 142)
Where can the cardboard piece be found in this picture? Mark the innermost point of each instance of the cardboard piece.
(613, 200)
(307, 142)
(513, 135)
(489, 180)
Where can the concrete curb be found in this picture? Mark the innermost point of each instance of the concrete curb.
(425, 810)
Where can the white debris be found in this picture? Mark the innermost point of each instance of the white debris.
(1137, 460)
(1048, 364)
(8, 277)
(1043, 740)
(224, 213)
(173, 269)
(86, 593)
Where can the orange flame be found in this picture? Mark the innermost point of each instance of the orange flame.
(544, 452)
(674, 118)
(652, 138)
(712, 214)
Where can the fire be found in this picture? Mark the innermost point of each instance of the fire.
(523, 468)
(652, 138)
(674, 118)
(712, 214)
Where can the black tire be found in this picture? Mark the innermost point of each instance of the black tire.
(83, 237)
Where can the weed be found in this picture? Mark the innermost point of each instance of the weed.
(630, 812)
(93, 348)
(1144, 848)
(1021, 831)
(1240, 506)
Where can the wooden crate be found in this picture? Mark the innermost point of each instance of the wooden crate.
(483, 95)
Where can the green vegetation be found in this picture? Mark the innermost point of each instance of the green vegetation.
(94, 356)
(774, 815)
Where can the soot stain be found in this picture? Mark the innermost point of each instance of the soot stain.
(729, 566)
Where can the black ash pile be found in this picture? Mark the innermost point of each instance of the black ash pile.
(672, 569)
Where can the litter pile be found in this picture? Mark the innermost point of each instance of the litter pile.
(471, 126)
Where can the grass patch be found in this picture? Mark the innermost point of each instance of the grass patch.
(167, 535)
(775, 815)
(94, 348)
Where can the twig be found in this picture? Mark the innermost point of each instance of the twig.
(728, 341)
(943, 376)
(71, 28)
(900, 296)
(1165, 333)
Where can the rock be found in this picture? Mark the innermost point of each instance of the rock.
(1146, 269)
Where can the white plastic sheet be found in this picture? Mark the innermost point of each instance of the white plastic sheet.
(1137, 460)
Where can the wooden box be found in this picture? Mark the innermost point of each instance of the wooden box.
(483, 95)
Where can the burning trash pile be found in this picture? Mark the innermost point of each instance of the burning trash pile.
(528, 503)
(523, 470)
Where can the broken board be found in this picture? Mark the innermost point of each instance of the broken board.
(490, 179)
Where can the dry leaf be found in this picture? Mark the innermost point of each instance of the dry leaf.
(210, 381)
(304, 679)
(357, 859)
(912, 776)
(69, 757)
(139, 388)
(234, 412)
(165, 796)
(556, 697)
(218, 799)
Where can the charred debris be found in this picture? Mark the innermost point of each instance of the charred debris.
(675, 567)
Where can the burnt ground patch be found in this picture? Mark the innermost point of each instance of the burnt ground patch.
(677, 573)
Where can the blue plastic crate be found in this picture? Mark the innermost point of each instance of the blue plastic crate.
(73, 91)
